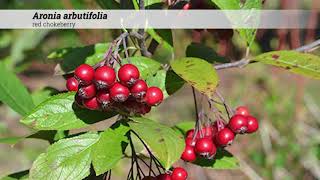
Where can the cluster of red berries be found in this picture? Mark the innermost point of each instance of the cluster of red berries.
(102, 89)
(205, 142)
(177, 173)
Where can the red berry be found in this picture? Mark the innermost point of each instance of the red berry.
(190, 142)
(84, 74)
(186, 6)
(188, 154)
(91, 104)
(164, 177)
(139, 89)
(104, 99)
(225, 137)
(179, 173)
(238, 124)
(104, 77)
(87, 92)
(242, 110)
(119, 92)
(214, 132)
(190, 133)
(213, 152)
(204, 145)
(72, 84)
(207, 131)
(253, 124)
(154, 96)
(128, 74)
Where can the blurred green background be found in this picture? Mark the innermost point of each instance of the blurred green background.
(288, 107)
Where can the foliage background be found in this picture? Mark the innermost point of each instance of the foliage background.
(286, 147)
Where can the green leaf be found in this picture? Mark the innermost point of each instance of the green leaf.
(173, 82)
(247, 34)
(108, 4)
(60, 113)
(163, 37)
(252, 4)
(198, 73)
(159, 80)
(73, 57)
(146, 66)
(165, 143)
(250, 34)
(227, 5)
(43, 94)
(223, 160)
(183, 127)
(13, 92)
(152, 2)
(108, 151)
(50, 136)
(17, 176)
(300, 63)
(204, 52)
(66, 159)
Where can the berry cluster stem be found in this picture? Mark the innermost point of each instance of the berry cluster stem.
(152, 157)
(135, 159)
(107, 175)
(142, 44)
(198, 123)
(227, 108)
(110, 57)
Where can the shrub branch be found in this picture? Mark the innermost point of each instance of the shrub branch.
(243, 62)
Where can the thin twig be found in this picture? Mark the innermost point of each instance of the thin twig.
(105, 175)
(153, 46)
(107, 55)
(197, 126)
(142, 44)
(227, 108)
(195, 101)
(243, 62)
(158, 164)
(148, 165)
(109, 175)
(308, 47)
(126, 49)
(109, 58)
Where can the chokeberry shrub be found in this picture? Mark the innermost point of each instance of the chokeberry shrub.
(121, 82)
